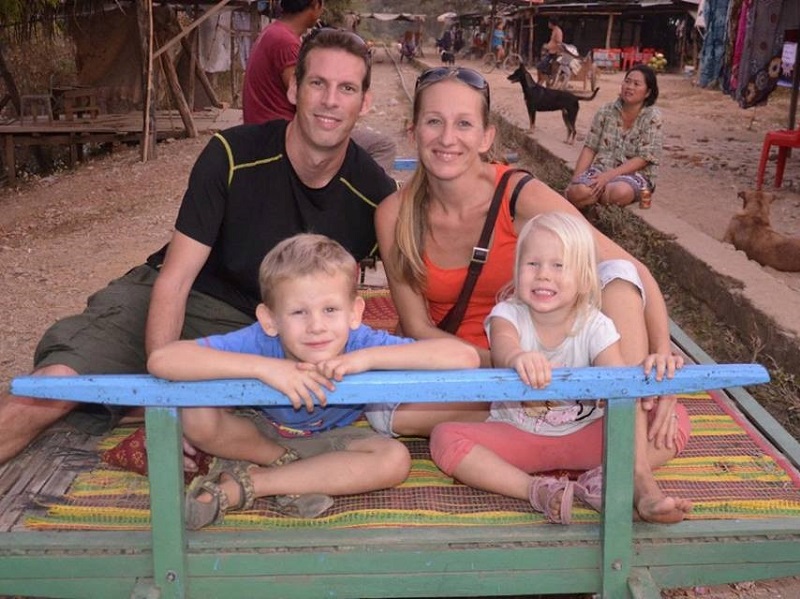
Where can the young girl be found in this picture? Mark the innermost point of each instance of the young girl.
(553, 320)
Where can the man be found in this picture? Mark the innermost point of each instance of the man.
(269, 73)
(550, 50)
(251, 187)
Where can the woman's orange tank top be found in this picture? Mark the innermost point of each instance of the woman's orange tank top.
(444, 284)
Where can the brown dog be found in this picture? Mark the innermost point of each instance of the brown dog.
(750, 231)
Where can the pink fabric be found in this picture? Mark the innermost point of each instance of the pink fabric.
(582, 450)
(263, 93)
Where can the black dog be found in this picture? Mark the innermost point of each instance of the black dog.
(448, 58)
(540, 98)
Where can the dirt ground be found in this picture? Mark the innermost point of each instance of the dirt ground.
(67, 234)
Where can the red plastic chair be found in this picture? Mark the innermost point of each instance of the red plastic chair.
(630, 56)
(785, 140)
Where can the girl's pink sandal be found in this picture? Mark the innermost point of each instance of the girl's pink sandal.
(542, 491)
(590, 488)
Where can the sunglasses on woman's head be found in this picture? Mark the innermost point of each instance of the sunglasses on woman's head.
(472, 78)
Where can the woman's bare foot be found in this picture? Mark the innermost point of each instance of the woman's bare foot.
(662, 509)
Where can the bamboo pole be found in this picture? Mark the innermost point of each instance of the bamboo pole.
(202, 77)
(177, 95)
(182, 35)
(144, 14)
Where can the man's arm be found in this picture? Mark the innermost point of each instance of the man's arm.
(185, 257)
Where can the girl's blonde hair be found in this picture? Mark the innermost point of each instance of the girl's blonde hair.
(302, 255)
(412, 219)
(580, 256)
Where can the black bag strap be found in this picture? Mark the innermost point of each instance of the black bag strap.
(480, 253)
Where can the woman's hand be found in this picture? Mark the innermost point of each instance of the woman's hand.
(597, 183)
(664, 426)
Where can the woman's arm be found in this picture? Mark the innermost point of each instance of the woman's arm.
(584, 161)
(412, 309)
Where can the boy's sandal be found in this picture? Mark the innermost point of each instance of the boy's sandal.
(308, 505)
(542, 491)
(590, 488)
(202, 513)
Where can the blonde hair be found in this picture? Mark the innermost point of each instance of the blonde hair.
(580, 256)
(302, 255)
(412, 219)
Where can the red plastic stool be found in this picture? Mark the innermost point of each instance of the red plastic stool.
(785, 140)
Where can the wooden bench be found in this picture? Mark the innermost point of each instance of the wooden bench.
(80, 102)
(617, 559)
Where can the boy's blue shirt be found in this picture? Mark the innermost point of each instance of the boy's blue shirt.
(291, 422)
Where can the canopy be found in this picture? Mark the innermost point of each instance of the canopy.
(388, 16)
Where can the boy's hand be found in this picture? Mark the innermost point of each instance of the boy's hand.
(350, 363)
(300, 382)
(533, 368)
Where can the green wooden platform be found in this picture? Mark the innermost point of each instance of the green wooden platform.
(617, 559)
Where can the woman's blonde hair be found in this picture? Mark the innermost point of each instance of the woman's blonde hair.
(580, 256)
(302, 255)
(412, 219)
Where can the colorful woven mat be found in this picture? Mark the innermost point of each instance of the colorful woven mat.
(727, 470)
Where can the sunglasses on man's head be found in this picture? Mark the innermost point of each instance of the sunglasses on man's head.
(472, 78)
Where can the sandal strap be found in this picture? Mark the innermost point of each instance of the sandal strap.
(247, 491)
(287, 458)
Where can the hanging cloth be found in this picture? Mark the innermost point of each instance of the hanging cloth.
(734, 42)
(760, 64)
(712, 55)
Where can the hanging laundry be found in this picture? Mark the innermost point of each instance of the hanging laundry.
(712, 55)
(760, 64)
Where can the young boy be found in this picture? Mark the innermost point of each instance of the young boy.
(308, 334)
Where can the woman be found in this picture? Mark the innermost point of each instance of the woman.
(621, 152)
(427, 231)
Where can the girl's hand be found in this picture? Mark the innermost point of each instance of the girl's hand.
(300, 382)
(533, 368)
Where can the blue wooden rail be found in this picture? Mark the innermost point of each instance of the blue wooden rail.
(397, 386)
(441, 563)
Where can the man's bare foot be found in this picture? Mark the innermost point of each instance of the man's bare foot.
(662, 508)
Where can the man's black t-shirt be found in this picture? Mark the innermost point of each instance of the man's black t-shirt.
(244, 197)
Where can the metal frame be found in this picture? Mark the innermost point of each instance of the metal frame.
(616, 559)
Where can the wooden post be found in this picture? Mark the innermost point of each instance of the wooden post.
(191, 44)
(202, 77)
(11, 86)
(144, 13)
(234, 102)
(177, 94)
(608, 30)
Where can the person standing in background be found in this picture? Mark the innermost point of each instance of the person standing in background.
(271, 68)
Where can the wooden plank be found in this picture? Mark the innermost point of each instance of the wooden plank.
(484, 384)
(755, 412)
